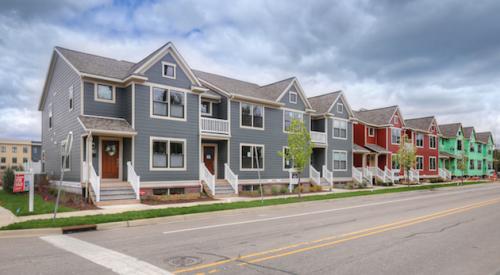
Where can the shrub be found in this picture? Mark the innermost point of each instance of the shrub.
(316, 188)
(284, 190)
(275, 191)
(8, 180)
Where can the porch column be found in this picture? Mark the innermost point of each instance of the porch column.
(376, 160)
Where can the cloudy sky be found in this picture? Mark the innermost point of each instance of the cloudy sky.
(432, 57)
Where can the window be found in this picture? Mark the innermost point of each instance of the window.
(3, 149)
(25, 160)
(432, 163)
(70, 97)
(2, 160)
(420, 163)
(206, 108)
(339, 129)
(252, 157)
(459, 145)
(289, 116)
(471, 164)
(3, 167)
(340, 108)
(432, 142)
(479, 148)
(25, 149)
(14, 149)
(14, 160)
(252, 115)
(168, 104)
(167, 154)
(395, 136)
(395, 163)
(50, 116)
(65, 162)
(339, 161)
(104, 93)
(34, 150)
(287, 162)
(471, 147)
(292, 97)
(169, 70)
(371, 131)
(479, 165)
(396, 120)
(420, 140)
(490, 165)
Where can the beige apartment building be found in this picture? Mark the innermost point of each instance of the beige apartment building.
(14, 153)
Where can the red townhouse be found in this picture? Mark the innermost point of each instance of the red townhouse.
(377, 135)
(424, 133)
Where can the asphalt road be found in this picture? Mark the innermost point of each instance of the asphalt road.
(446, 231)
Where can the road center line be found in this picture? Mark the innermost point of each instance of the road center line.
(317, 212)
(117, 262)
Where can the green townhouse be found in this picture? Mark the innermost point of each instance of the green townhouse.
(473, 152)
(487, 148)
(451, 147)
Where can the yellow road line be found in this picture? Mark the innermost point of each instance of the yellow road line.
(355, 234)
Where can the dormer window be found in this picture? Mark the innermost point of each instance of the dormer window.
(292, 97)
(340, 108)
(169, 70)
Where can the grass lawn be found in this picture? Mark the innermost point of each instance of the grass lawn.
(147, 214)
(13, 202)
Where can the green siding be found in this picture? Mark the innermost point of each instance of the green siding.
(450, 146)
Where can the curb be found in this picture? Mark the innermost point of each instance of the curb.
(29, 233)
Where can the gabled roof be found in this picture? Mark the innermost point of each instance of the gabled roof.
(450, 130)
(106, 125)
(468, 131)
(322, 103)
(420, 123)
(377, 117)
(484, 137)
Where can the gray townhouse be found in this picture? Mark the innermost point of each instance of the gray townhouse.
(158, 126)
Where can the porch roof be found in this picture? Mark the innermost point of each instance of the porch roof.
(377, 149)
(359, 149)
(106, 125)
(446, 155)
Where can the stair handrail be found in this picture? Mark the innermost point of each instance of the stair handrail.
(95, 181)
(231, 177)
(207, 177)
(134, 180)
(314, 175)
(388, 174)
(328, 175)
(357, 174)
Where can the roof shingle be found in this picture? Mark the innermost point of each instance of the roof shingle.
(380, 116)
(421, 123)
(450, 130)
(322, 103)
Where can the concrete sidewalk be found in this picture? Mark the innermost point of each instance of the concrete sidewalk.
(6, 217)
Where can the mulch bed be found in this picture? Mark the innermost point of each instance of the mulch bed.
(160, 202)
(67, 199)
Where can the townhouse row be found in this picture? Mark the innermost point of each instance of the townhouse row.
(158, 126)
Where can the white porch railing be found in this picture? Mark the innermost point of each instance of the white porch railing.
(214, 125)
(94, 180)
(389, 175)
(134, 180)
(207, 177)
(231, 177)
(444, 174)
(314, 175)
(318, 137)
(414, 175)
(368, 175)
(357, 175)
(328, 175)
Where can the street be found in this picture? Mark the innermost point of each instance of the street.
(445, 231)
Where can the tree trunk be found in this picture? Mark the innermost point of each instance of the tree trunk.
(300, 186)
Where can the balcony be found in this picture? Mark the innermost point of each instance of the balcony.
(214, 126)
(318, 137)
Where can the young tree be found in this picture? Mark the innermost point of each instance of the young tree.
(406, 156)
(299, 148)
(462, 166)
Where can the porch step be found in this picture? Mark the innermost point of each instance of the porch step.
(117, 202)
(116, 193)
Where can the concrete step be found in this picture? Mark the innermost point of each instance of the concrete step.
(105, 197)
(117, 202)
(118, 192)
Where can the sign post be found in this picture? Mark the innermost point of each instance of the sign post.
(65, 153)
(24, 181)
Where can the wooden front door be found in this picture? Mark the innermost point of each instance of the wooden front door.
(110, 159)
(209, 157)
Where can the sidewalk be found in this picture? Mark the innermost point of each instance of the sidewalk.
(6, 217)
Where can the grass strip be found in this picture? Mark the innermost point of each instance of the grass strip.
(18, 204)
(167, 212)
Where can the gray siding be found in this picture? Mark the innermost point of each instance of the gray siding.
(64, 121)
(300, 104)
(147, 127)
(272, 137)
(340, 144)
(155, 74)
(121, 108)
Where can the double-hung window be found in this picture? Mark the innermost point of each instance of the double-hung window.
(432, 142)
(371, 131)
(289, 116)
(167, 154)
(3, 149)
(340, 108)
(2, 160)
(432, 163)
(14, 160)
(459, 145)
(292, 97)
(339, 161)
(471, 164)
(287, 161)
(420, 163)
(479, 164)
(251, 157)
(252, 116)
(14, 149)
(420, 140)
(339, 129)
(395, 136)
(168, 103)
(104, 93)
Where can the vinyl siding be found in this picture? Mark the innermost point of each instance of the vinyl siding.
(300, 105)
(340, 144)
(155, 74)
(121, 108)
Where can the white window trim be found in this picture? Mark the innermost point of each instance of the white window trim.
(252, 151)
(423, 140)
(290, 97)
(211, 108)
(435, 142)
(396, 119)
(71, 98)
(63, 142)
(435, 162)
(392, 143)
(51, 117)
(113, 88)
(373, 130)
(346, 129)
(163, 63)
(168, 140)
(263, 117)
(283, 160)
(289, 110)
(341, 108)
(423, 162)
(168, 117)
(346, 160)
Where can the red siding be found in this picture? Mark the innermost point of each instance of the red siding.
(359, 137)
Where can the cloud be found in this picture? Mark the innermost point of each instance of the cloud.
(431, 58)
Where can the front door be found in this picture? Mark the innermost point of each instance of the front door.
(110, 159)
(209, 157)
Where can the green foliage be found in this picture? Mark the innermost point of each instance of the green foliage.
(275, 191)
(283, 190)
(407, 154)
(299, 145)
(13, 202)
(8, 180)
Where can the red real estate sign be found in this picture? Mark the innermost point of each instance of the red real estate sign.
(19, 183)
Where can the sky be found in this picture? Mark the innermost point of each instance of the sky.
(438, 58)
